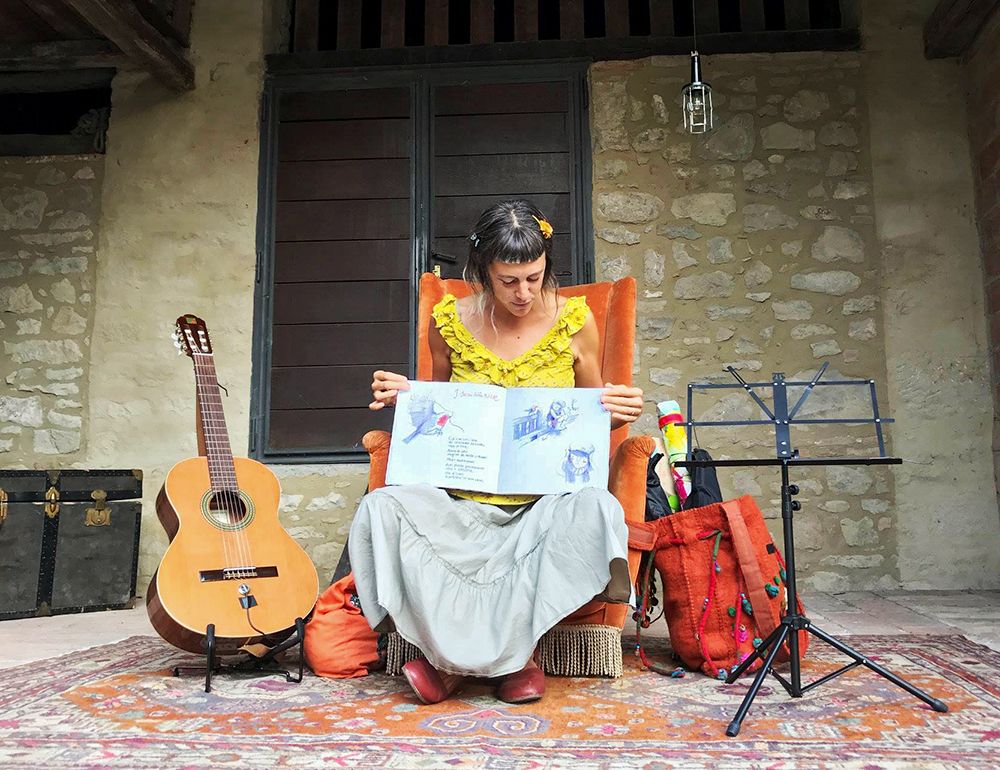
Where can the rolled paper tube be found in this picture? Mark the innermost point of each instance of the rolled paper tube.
(675, 439)
(665, 473)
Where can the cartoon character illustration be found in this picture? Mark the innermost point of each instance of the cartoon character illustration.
(428, 417)
(578, 463)
(532, 426)
(528, 423)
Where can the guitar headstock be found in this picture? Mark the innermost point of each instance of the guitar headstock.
(191, 336)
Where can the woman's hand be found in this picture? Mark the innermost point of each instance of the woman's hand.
(624, 403)
(385, 388)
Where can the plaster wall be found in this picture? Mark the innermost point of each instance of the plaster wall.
(982, 73)
(936, 341)
(179, 236)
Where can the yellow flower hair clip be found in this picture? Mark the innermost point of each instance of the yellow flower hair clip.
(544, 226)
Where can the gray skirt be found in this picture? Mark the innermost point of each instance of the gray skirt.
(475, 586)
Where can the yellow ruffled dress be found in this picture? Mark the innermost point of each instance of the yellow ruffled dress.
(549, 364)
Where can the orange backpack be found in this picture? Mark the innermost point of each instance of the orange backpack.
(723, 584)
(339, 643)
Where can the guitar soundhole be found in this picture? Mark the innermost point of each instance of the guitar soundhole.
(227, 509)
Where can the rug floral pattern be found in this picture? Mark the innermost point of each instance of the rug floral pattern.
(118, 706)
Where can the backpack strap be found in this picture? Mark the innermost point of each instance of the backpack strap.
(750, 568)
(641, 537)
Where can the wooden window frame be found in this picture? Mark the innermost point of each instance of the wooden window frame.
(420, 80)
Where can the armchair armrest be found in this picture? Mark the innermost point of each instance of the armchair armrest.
(377, 444)
(627, 483)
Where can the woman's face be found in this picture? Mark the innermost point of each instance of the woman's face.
(516, 287)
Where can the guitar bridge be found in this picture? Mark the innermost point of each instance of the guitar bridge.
(236, 573)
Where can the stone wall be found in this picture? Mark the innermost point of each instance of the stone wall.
(49, 214)
(982, 68)
(754, 247)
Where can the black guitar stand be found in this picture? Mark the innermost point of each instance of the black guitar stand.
(787, 632)
(252, 664)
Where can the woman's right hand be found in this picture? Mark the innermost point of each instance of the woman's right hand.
(385, 388)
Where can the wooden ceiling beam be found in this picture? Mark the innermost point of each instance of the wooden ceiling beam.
(65, 80)
(145, 46)
(62, 55)
(60, 19)
(954, 24)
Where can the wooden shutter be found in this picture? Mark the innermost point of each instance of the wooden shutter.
(493, 141)
(367, 178)
(342, 263)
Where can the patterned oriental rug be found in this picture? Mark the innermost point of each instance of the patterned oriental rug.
(118, 706)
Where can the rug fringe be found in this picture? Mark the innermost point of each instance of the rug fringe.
(572, 650)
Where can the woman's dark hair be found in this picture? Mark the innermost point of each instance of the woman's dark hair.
(509, 232)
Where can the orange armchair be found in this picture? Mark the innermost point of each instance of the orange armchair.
(588, 642)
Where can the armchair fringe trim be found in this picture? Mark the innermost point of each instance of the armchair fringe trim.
(398, 651)
(571, 650)
(581, 650)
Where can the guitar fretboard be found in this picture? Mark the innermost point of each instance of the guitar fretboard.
(221, 469)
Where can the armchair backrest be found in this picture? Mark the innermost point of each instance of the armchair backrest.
(613, 306)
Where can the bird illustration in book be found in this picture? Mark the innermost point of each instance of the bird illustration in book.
(429, 418)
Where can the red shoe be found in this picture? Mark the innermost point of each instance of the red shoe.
(523, 686)
(429, 685)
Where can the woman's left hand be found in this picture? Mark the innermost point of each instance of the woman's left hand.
(624, 403)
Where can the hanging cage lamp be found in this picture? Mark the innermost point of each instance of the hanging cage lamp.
(697, 100)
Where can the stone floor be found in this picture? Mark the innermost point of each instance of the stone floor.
(974, 614)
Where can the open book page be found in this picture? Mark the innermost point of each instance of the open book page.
(554, 440)
(447, 434)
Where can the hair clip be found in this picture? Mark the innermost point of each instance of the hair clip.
(475, 240)
(544, 226)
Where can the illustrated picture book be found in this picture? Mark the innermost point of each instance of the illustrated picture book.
(485, 438)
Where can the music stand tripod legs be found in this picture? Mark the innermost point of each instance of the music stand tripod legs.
(788, 630)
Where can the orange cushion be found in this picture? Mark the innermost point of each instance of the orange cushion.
(339, 643)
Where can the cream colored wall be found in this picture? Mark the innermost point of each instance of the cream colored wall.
(936, 340)
(178, 235)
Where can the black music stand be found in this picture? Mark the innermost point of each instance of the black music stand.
(782, 419)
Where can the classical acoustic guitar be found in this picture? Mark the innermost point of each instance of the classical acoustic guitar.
(230, 564)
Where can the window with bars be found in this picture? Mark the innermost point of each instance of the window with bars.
(366, 183)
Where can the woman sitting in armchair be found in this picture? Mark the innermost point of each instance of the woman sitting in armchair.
(474, 580)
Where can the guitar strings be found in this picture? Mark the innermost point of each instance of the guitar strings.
(230, 489)
(225, 486)
(208, 436)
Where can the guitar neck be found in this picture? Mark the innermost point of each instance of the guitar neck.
(221, 469)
